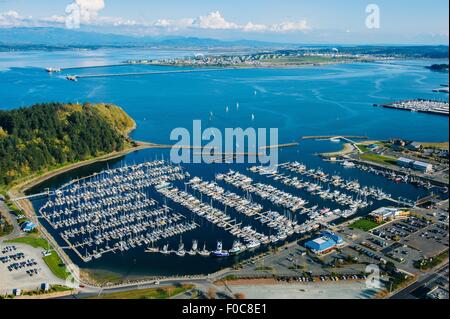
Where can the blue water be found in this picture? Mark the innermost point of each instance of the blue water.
(329, 100)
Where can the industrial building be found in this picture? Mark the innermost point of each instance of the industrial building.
(422, 166)
(416, 165)
(387, 213)
(327, 242)
(405, 162)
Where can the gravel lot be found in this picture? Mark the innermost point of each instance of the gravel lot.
(10, 280)
(341, 290)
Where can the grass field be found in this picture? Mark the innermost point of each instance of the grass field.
(56, 265)
(53, 261)
(431, 262)
(103, 276)
(443, 145)
(363, 148)
(150, 293)
(5, 227)
(380, 159)
(35, 242)
(364, 224)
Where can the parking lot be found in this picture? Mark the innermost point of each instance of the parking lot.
(431, 241)
(425, 237)
(314, 290)
(401, 229)
(296, 265)
(402, 241)
(22, 267)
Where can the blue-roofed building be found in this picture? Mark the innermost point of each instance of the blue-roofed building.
(325, 243)
(28, 226)
(337, 239)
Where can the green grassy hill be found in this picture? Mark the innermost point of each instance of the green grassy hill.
(45, 136)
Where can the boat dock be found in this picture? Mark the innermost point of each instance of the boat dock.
(329, 137)
(421, 106)
(251, 237)
(103, 75)
(112, 211)
(282, 225)
(57, 70)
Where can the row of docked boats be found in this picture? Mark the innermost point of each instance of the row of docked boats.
(336, 181)
(112, 211)
(265, 191)
(227, 198)
(219, 252)
(282, 225)
(398, 177)
(317, 189)
(289, 201)
(215, 216)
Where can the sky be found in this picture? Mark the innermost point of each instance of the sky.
(297, 21)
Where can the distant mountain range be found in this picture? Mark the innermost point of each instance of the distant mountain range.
(47, 38)
(59, 37)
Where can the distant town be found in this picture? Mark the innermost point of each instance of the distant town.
(283, 58)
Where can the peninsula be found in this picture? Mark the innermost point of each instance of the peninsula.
(271, 59)
(47, 137)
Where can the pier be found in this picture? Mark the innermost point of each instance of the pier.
(282, 225)
(93, 66)
(252, 238)
(329, 137)
(47, 193)
(76, 77)
(112, 211)
(421, 106)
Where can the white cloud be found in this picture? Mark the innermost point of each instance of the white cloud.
(252, 27)
(173, 25)
(87, 12)
(13, 19)
(214, 20)
(283, 27)
(54, 19)
(290, 27)
(114, 21)
(89, 9)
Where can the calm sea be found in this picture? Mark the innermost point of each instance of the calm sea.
(328, 100)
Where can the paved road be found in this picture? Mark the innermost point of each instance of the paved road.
(428, 280)
(86, 293)
(10, 218)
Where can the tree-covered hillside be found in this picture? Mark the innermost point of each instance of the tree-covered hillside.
(48, 135)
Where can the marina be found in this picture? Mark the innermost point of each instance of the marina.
(115, 210)
(249, 102)
(112, 211)
(280, 224)
(251, 237)
(421, 105)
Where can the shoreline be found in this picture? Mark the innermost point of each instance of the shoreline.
(27, 207)
(31, 181)
(255, 67)
(347, 149)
